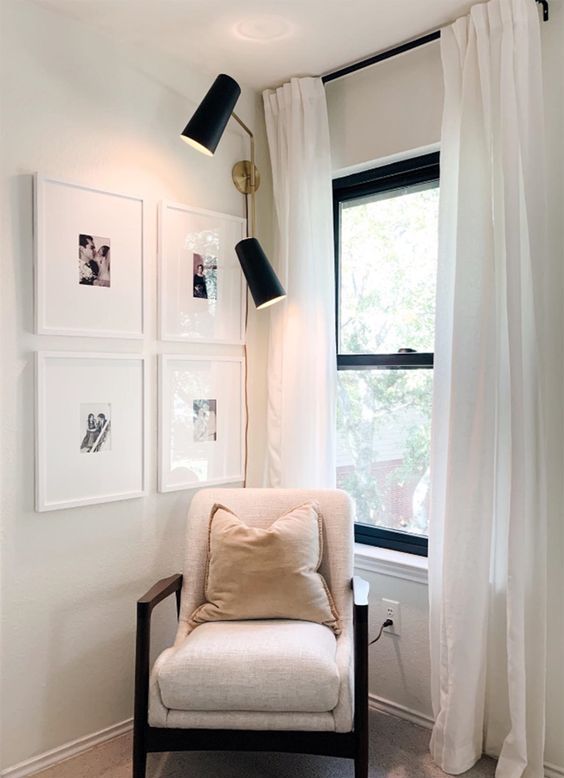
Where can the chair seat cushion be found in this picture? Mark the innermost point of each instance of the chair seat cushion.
(263, 665)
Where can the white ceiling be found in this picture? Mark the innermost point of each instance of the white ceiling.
(264, 42)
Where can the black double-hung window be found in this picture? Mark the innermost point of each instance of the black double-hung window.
(386, 236)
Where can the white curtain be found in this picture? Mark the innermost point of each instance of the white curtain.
(301, 361)
(488, 519)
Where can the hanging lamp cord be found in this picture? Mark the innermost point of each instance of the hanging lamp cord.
(246, 366)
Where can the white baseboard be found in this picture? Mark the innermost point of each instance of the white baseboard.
(553, 770)
(400, 711)
(67, 751)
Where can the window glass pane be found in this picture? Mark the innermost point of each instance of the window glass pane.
(388, 268)
(383, 434)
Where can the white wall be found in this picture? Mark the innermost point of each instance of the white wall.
(388, 111)
(76, 106)
(399, 664)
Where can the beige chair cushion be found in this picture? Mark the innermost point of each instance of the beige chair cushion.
(266, 573)
(273, 665)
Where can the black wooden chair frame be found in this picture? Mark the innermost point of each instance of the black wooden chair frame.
(147, 739)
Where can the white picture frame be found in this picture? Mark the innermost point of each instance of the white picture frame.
(194, 451)
(94, 406)
(187, 237)
(92, 290)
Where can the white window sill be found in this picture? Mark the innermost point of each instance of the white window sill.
(396, 564)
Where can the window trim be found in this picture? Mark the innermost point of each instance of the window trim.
(417, 170)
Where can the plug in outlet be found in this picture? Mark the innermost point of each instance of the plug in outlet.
(392, 611)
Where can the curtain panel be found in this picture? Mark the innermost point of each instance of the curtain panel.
(487, 559)
(302, 372)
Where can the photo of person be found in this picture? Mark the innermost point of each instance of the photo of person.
(103, 260)
(95, 425)
(205, 277)
(93, 260)
(205, 420)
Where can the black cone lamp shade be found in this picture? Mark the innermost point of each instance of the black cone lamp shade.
(263, 282)
(205, 128)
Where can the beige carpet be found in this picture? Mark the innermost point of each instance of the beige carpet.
(398, 749)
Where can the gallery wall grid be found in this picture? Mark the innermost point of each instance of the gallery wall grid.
(93, 407)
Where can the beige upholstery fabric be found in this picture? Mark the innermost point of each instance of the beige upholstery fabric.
(266, 573)
(260, 507)
(278, 665)
(312, 722)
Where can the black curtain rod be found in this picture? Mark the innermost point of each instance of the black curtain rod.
(401, 49)
(365, 63)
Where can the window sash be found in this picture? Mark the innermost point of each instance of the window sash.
(423, 169)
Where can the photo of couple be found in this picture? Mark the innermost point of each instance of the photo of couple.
(93, 260)
(95, 420)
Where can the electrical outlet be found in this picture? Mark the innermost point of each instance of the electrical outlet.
(392, 611)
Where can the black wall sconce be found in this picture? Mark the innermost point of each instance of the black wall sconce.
(203, 132)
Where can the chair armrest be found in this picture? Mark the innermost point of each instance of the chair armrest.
(158, 592)
(360, 589)
(145, 605)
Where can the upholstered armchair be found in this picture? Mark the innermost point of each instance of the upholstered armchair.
(257, 685)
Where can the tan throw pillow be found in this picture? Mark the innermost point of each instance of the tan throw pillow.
(255, 573)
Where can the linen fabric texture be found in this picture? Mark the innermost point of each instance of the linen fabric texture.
(301, 430)
(253, 666)
(265, 647)
(266, 573)
(487, 539)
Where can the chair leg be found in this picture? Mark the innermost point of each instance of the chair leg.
(361, 767)
(139, 757)
(361, 757)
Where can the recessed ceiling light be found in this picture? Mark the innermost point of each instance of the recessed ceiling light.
(263, 28)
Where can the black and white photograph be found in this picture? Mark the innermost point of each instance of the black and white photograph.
(205, 276)
(93, 260)
(205, 420)
(95, 425)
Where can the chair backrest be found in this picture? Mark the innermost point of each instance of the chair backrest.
(261, 507)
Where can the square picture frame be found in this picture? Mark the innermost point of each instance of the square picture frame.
(201, 285)
(94, 406)
(89, 260)
(201, 421)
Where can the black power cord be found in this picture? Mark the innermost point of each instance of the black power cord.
(387, 623)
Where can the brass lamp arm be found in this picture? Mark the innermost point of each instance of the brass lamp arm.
(246, 177)
(243, 125)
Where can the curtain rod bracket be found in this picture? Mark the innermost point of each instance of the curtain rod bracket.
(544, 4)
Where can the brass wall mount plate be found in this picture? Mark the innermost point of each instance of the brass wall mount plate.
(241, 174)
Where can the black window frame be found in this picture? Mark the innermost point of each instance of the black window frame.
(416, 170)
